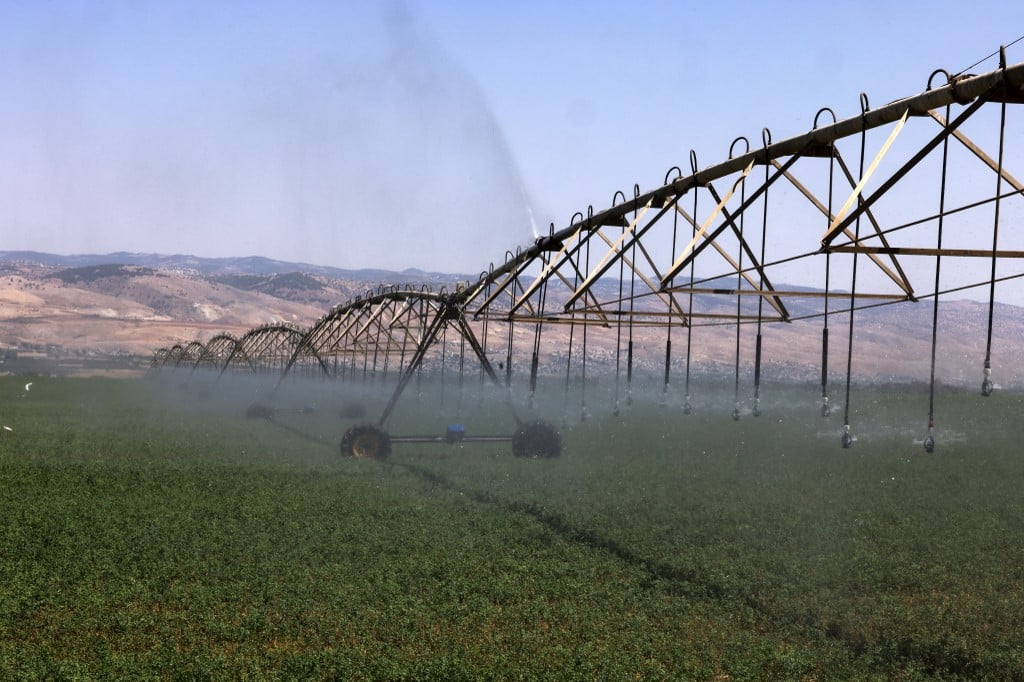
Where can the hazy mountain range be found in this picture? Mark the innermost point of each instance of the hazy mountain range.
(248, 265)
(69, 309)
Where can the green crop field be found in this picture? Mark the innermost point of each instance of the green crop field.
(151, 531)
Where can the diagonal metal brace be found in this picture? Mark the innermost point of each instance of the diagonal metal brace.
(844, 221)
(450, 312)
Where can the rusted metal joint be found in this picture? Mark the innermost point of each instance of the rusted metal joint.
(954, 85)
(451, 309)
(548, 243)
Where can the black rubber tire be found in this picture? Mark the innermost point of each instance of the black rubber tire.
(537, 440)
(366, 441)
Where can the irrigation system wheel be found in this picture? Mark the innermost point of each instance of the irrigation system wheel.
(536, 440)
(366, 441)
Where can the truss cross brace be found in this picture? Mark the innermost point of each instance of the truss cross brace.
(448, 313)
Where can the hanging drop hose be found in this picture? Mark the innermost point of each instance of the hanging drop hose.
(583, 379)
(387, 358)
(483, 335)
(366, 366)
(987, 387)
(568, 359)
(826, 409)
(757, 369)
(671, 298)
(929, 441)
(574, 255)
(632, 301)
(847, 438)
(511, 328)
(739, 285)
(376, 349)
(405, 342)
(618, 317)
(444, 354)
(535, 360)
(462, 374)
(766, 137)
(419, 368)
(687, 407)
(739, 309)
(668, 364)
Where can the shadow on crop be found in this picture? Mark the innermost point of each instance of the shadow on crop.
(933, 658)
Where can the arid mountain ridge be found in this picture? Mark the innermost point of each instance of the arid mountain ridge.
(69, 310)
(117, 309)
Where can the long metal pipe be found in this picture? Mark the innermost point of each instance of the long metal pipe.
(961, 91)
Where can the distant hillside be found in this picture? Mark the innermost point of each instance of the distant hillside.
(298, 287)
(293, 281)
(91, 273)
(132, 304)
(250, 265)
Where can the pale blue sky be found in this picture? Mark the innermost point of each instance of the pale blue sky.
(415, 134)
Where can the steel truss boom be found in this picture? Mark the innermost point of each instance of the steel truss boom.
(836, 193)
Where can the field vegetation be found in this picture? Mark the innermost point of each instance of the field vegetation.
(151, 530)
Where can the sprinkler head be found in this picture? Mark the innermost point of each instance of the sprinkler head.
(986, 385)
(736, 414)
(847, 438)
(929, 444)
(826, 409)
(687, 408)
(757, 409)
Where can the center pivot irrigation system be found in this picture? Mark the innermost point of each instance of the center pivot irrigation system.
(867, 208)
